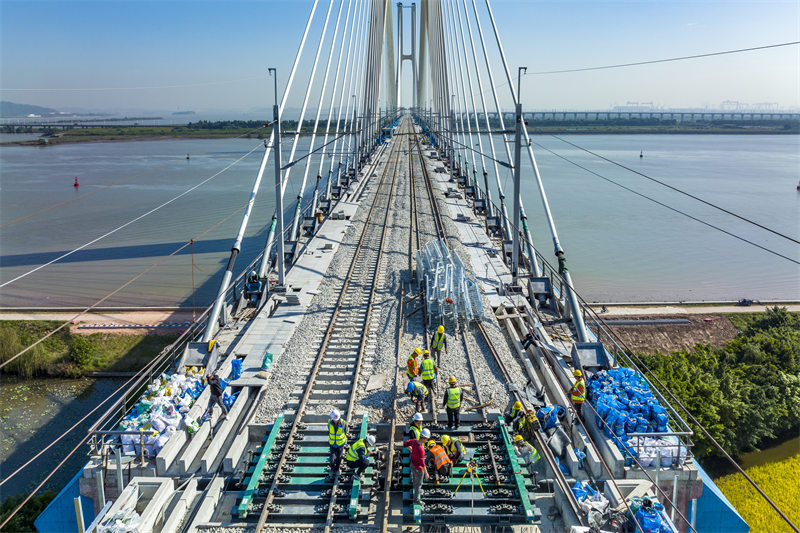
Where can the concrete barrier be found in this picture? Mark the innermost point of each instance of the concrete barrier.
(179, 510)
(222, 432)
(208, 505)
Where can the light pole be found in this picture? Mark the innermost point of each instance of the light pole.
(276, 114)
(517, 150)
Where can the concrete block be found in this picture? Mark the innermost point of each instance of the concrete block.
(222, 432)
(191, 450)
(234, 454)
(178, 511)
(152, 493)
(170, 451)
(208, 505)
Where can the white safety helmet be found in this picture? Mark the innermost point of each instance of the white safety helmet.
(417, 417)
(335, 415)
(371, 440)
(426, 433)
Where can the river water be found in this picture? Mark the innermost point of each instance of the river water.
(619, 246)
(33, 413)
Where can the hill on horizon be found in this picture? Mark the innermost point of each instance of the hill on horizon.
(12, 110)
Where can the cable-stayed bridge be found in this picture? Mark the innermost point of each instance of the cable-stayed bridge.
(401, 224)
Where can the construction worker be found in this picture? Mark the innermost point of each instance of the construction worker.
(438, 461)
(429, 369)
(415, 429)
(337, 439)
(454, 448)
(452, 401)
(358, 455)
(438, 341)
(529, 425)
(412, 366)
(528, 453)
(578, 393)
(418, 470)
(418, 393)
(515, 413)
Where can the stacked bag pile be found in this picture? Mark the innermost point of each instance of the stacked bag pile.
(162, 410)
(625, 404)
(671, 449)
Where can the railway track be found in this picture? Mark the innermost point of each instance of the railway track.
(295, 488)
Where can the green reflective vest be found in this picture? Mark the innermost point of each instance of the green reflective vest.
(438, 341)
(454, 397)
(336, 436)
(352, 453)
(419, 390)
(454, 446)
(578, 391)
(414, 431)
(428, 371)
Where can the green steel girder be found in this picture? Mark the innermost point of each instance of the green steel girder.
(247, 493)
(356, 490)
(518, 478)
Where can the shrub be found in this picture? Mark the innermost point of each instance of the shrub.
(82, 352)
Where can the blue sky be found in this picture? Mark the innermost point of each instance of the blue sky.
(134, 44)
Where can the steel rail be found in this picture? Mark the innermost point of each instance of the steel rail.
(560, 479)
(318, 363)
(545, 450)
(384, 527)
(371, 302)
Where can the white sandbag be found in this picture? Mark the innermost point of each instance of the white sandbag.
(158, 423)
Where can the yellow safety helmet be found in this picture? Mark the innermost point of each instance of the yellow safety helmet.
(518, 438)
(425, 352)
(452, 379)
(445, 439)
(440, 329)
(577, 373)
(518, 405)
(431, 444)
(417, 351)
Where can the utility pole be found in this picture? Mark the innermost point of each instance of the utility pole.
(278, 185)
(517, 150)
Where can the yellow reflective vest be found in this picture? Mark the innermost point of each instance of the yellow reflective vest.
(428, 369)
(454, 397)
(336, 436)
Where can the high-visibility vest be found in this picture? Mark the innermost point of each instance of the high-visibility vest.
(438, 341)
(439, 456)
(578, 391)
(515, 412)
(352, 453)
(455, 446)
(414, 431)
(419, 387)
(336, 436)
(454, 397)
(428, 371)
(535, 455)
(412, 368)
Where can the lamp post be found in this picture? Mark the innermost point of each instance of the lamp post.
(278, 185)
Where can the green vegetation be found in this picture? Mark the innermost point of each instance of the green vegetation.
(743, 393)
(779, 481)
(23, 520)
(71, 355)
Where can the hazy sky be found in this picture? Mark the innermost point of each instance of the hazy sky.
(138, 44)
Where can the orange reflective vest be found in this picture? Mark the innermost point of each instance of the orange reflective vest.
(412, 368)
(439, 456)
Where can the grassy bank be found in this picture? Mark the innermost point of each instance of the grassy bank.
(257, 130)
(779, 481)
(69, 355)
(751, 382)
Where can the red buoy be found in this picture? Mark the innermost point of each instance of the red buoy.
(76, 184)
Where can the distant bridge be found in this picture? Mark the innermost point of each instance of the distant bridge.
(680, 116)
